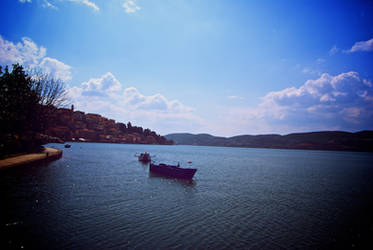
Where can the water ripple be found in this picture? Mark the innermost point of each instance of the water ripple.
(99, 197)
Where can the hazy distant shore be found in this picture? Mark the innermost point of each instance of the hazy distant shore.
(324, 140)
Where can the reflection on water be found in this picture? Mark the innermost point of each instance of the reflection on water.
(190, 183)
(100, 196)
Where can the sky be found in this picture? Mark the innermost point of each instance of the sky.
(223, 67)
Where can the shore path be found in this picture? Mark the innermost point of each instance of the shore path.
(48, 154)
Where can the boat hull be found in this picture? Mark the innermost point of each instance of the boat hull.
(144, 158)
(173, 171)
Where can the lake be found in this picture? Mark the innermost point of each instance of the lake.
(98, 196)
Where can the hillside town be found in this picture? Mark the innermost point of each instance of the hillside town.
(70, 125)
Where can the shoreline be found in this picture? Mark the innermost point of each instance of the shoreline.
(48, 154)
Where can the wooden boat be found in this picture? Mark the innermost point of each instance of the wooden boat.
(172, 171)
(144, 157)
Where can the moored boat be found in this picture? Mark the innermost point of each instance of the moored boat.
(144, 157)
(172, 171)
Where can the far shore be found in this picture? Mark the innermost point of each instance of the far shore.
(48, 154)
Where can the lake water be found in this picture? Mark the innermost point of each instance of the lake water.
(98, 196)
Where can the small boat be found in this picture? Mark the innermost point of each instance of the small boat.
(67, 146)
(173, 171)
(144, 157)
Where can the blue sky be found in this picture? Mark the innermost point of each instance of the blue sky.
(220, 67)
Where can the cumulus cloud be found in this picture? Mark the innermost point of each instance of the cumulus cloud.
(25, 1)
(130, 6)
(30, 55)
(329, 102)
(107, 96)
(107, 86)
(102, 86)
(328, 97)
(135, 100)
(25, 52)
(362, 46)
(56, 68)
(341, 102)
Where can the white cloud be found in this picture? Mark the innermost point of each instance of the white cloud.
(135, 100)
(56, 68)
(334, 50)
(87, 3)
(340, 102)
(106, 95)
(105, 85)
(130, 6)
(25, 52)
(30, 55)
(344, 101)
(362, 46)
(47, 4)
(336, 92)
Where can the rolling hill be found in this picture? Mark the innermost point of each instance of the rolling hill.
(324, 140)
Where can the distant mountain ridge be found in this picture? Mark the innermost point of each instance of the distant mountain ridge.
(323, 140)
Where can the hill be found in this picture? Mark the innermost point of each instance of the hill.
(324, 140)
(69, 125)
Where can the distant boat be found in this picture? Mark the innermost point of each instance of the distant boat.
(144, 157)
(67, 146)
(172, 171)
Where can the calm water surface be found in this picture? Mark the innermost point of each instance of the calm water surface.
(98, 196)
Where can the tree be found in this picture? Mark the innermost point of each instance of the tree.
(51, 91)
(24, 101)
(122, 127)
(19, 111)
(147, 132)
(18, 101)
(129, 127)
(52, 94)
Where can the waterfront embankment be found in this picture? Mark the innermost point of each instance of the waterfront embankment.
(48, 154)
